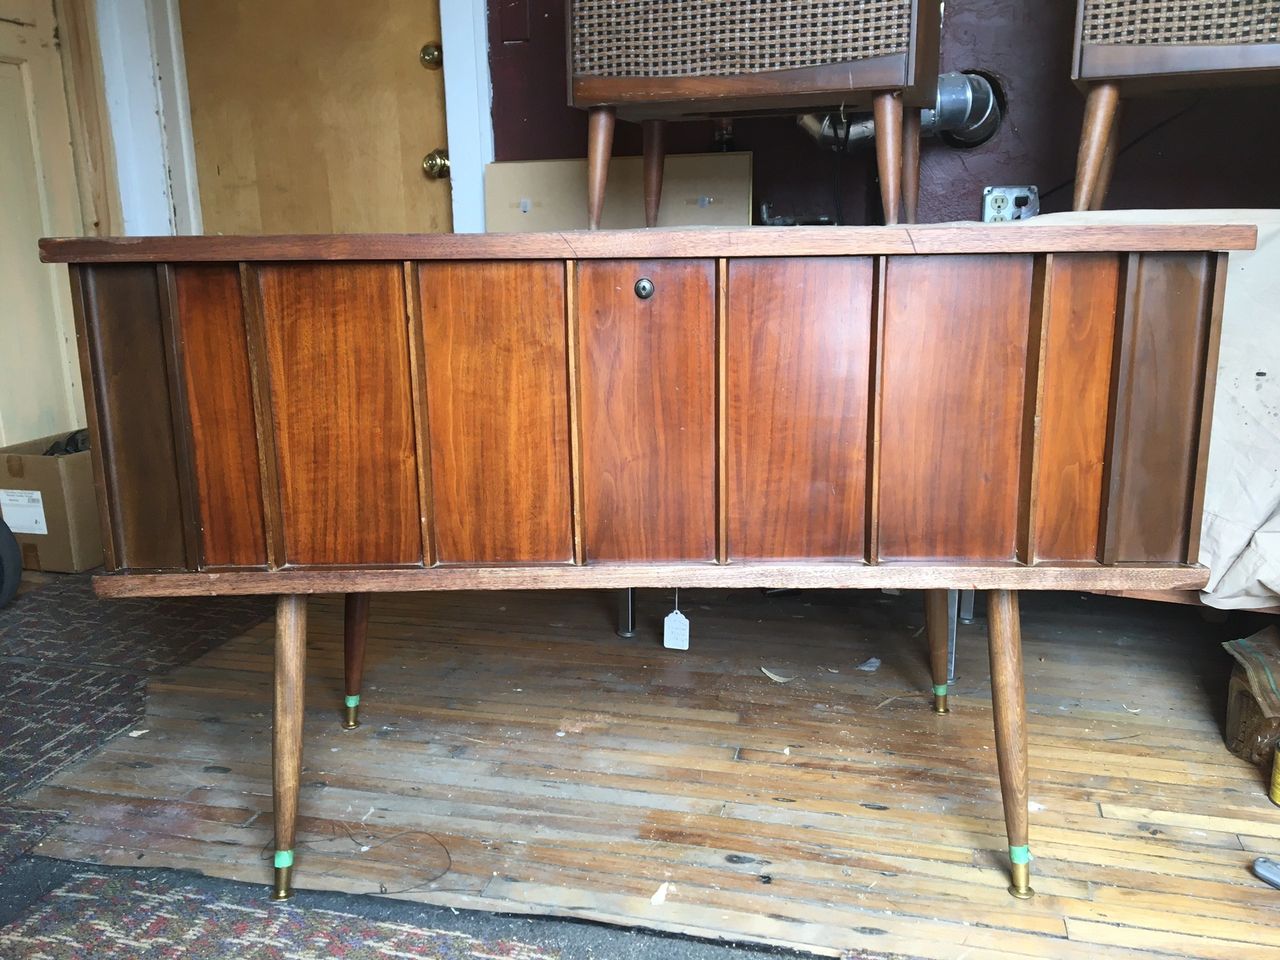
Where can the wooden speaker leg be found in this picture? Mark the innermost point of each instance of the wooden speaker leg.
(599, 149)
(910, 164)
(1108, 163)
(936, 618)
(1008, 700)
(655, 155)
(286, 733)
(355, 630)
(888, 116)
(1099, 123)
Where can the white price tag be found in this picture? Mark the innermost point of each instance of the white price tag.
(675, 628)
(675, 631)
(23, 511)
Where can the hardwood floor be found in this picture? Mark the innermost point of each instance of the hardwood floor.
(515, 755)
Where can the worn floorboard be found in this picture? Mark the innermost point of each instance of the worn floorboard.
(517, 756)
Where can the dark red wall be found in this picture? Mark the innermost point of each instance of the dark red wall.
(1198, 149)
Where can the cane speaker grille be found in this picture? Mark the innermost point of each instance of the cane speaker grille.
(698, 38)
(1156, 22)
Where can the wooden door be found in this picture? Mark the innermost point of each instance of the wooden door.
(498, 410)
(313, 116)
(39, 371)
(954, 360)
(648, 409)
(798, 360)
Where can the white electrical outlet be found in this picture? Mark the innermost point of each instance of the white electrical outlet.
(1000, 204)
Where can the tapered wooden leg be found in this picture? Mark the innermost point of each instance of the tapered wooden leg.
(937, 609)
(286, 733)
(599, 149)
(1108, 163)
(1008, 700)
(910, 164)
(655, 155)
(887, 108)
(1099, 123)
(355, 630)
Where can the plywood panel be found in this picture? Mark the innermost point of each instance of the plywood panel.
(127, 350)
(313, 116)
(1079, 329)
(648, 409)
(954, 363)
(798, 357)
(497, 400)
(215, 359)
(338, 356)
(1159, 380)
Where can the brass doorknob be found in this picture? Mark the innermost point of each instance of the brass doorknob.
(436, 164)
(432, 56)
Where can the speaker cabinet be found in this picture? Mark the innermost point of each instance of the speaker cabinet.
(662, 60)
(1126, 47)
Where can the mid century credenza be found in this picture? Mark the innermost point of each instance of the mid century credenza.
(1007, 407)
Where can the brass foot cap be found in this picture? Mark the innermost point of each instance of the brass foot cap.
(284, 884)
(1021, 885)
(350, 717)
(940, 704)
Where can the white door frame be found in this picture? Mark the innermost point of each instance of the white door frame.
(145, 83)
(468, 99)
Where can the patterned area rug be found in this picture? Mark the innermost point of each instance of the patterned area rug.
(123, 917)
(73, 668)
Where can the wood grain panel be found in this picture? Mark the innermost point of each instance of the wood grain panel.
(338, 359)
(612, 244)
(1158, 382)
(1079, 329)
(954, 356)
(215, 362)
(127, 347)
(498, 409)
(798, 356)
(648, 409)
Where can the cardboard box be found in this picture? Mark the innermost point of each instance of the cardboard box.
(698, 189)
(51, 506)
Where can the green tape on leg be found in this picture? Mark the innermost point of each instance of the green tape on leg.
(284, 858)
(939, 689)
(1020, 854)
(353, 700)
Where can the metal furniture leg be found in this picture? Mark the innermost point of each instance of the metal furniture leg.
(627, 612)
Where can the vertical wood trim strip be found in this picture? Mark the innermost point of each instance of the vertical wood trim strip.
(417, 339)
(180, 416)
(875, 381)
(81, 280)
(722, 411)
(1210, 380)
(1118, 407)
(575, 409)
(263, 413)
(1033, 400)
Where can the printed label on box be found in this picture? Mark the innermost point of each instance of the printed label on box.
(23, 511)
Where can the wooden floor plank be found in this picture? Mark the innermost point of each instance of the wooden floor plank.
(518, 756)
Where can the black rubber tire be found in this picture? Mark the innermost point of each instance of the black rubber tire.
(10, 564)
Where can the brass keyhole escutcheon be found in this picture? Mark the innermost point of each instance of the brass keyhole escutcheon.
(436, 164)
(432, 56)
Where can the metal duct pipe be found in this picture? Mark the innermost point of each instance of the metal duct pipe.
(966, 113)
